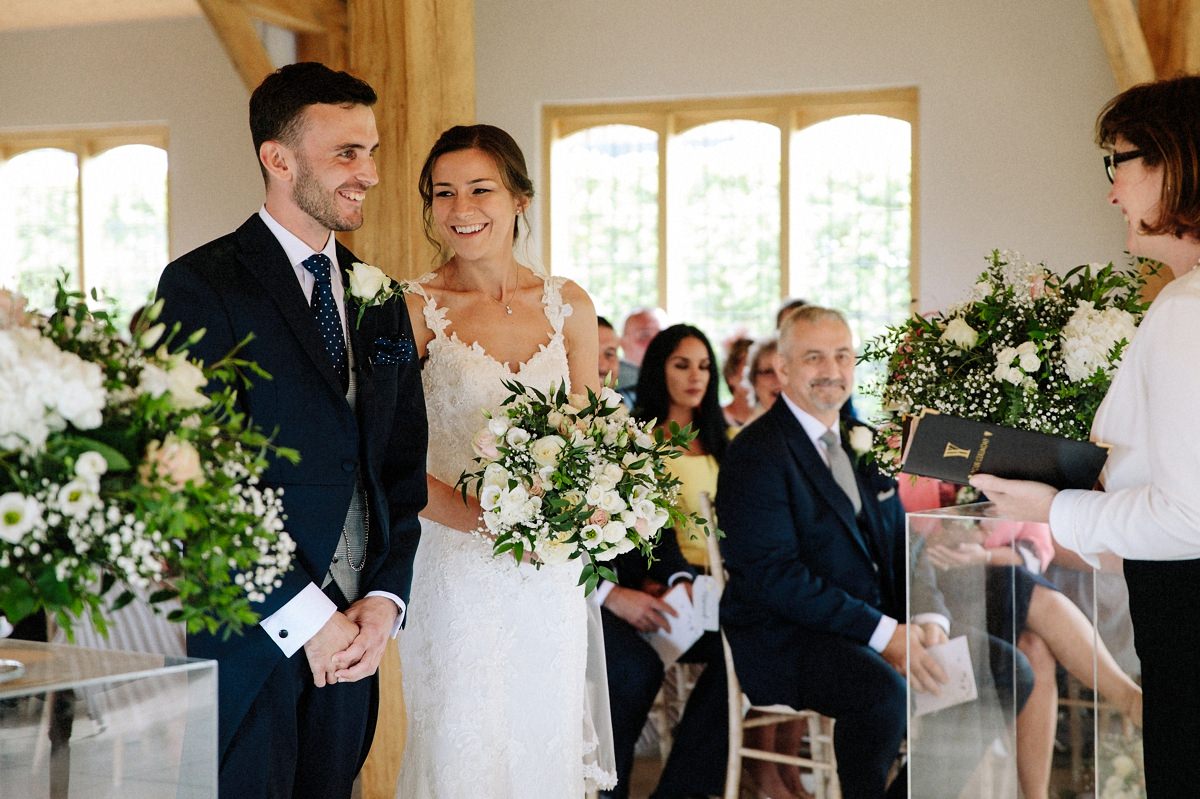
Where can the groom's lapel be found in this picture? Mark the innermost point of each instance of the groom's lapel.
(261, 253)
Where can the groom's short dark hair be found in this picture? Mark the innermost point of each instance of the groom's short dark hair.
(277, 105)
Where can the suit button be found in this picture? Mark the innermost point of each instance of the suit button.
(283, 633)
(348, 466)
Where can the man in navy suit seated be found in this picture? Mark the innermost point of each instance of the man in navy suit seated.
(815, 608)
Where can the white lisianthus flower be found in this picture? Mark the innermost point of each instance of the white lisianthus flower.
(553, 550)
(366, 281)
(77, 499)
(611, 399)
(489, 497)
(611, 502)
(861, 438)
(595, 494)
(575, 497)
(91, 465)
(18, 515)
(615, 532)
(556, 421)
(591, 535)
(960, 334)
(545, 450)
(178, 377)
(498, 425)
(495, 475)
(517, 437)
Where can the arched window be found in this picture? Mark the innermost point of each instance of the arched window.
(606, 237)
(755, 200)
(91, 204)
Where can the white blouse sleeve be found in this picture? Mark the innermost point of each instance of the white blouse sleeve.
(1158, 520)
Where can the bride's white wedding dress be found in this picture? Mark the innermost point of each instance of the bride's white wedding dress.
(493, 653)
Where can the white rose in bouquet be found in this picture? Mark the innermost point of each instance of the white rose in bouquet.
(960, 334)
(545, 450)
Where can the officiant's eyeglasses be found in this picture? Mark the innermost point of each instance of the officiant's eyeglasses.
(1111, 161)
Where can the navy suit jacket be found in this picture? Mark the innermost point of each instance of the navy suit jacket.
(800, 564)
(242, 284)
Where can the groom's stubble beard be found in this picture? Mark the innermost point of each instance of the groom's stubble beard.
(311, 197)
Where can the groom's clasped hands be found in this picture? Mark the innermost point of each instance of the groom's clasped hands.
(350, 645)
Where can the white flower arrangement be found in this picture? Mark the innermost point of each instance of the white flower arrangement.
(574, 478)
(1029, 349)
(115, 467)
(370, 286)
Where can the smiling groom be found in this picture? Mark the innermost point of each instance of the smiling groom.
(298, 692)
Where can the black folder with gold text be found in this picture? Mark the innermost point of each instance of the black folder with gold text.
(953, 449)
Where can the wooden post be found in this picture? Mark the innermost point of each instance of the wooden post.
(419, 55)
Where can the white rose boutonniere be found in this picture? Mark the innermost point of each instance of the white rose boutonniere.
(860, 439)
(370, 286)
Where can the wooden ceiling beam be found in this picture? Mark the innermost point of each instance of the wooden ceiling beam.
(300, 16)
(235, 28)
(1172, 29)
(1124, 41)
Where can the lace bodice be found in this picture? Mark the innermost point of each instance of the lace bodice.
(461, 380)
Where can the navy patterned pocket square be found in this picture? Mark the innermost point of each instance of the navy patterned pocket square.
(393, 350)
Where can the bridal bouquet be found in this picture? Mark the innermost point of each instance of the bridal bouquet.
(115, 467)
(574, 478)
(1029, 349)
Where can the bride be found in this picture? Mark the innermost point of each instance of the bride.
(494, 653)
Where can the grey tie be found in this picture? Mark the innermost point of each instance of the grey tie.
(839, 464)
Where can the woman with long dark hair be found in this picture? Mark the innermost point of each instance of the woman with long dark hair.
(679, 383)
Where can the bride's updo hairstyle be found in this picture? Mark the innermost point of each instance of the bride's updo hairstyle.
(486, 138)
(1162, 119)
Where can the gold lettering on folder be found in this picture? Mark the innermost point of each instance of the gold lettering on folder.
(953, 451)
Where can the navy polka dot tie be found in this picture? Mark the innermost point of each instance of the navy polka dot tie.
(325, 312)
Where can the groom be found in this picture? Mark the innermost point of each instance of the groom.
(297, 693)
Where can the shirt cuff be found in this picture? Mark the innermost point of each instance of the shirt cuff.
(933, 618)
(603, 590)
(1062, 509)
(400, 606)
(883, 633)
(300, 619)
(677, 576)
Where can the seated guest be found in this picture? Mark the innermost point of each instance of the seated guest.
(815, 605)
(609, 362)
(760, 373)
(638, 329)
(740, 409)
(678, 383)
(696, 765)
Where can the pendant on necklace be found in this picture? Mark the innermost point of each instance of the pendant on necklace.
(507, 309)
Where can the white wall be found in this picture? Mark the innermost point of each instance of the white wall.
(1008, 97)
(172, 73)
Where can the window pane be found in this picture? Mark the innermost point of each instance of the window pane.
(723, 233)
(125, 223)
(605, 196)
(851, 219)
(39, 215)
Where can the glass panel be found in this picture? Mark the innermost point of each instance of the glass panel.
(605, 196)
(1036, 724)
(105, 723)
(723, 234)
(125, 223)
(39, 223)
(851, 221)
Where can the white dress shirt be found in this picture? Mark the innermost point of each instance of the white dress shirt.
(814, 429)
(1150, 508)
(306, 613)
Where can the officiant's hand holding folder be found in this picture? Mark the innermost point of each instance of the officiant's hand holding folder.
(953, 449)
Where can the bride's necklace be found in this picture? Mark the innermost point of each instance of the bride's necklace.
(503, 286)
